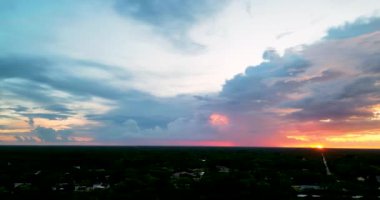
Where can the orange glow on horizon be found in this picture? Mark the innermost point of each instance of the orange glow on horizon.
(216, 119)
(334, 139)
(318, 146)
(206, 143)
(7, 138)
(81, 139)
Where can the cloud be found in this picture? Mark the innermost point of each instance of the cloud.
(271, 54)
(284, 34)
(58, 108)
(46, 116)
(50, 135)
(172, 19)
(47, 94)
(291, 92)
(144, 116)
(172, 15)
(31, 121)
(267, 83)
(314, 90)
(361, 26)
(19, 108)
(301, 94)
(34, 76)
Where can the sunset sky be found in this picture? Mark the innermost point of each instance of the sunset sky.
(283, 73)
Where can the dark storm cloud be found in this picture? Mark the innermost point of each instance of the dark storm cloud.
(327, 101)
(336, 98)
(354, 91)
(359, 27)
(326, 75)
(314, 92)
(269, 86)
(362, 87)
(315, 108)
(253, 89)
(371, 64)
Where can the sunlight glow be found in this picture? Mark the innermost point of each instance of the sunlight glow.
(357, 137)
(298, 137)
(376, 112)
(218, 120)
(325, 120)
(81, 139)
(7, 138)
(317, 146)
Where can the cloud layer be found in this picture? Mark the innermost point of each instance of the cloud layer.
(57, 88)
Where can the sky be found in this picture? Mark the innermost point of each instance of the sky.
(279, 73)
